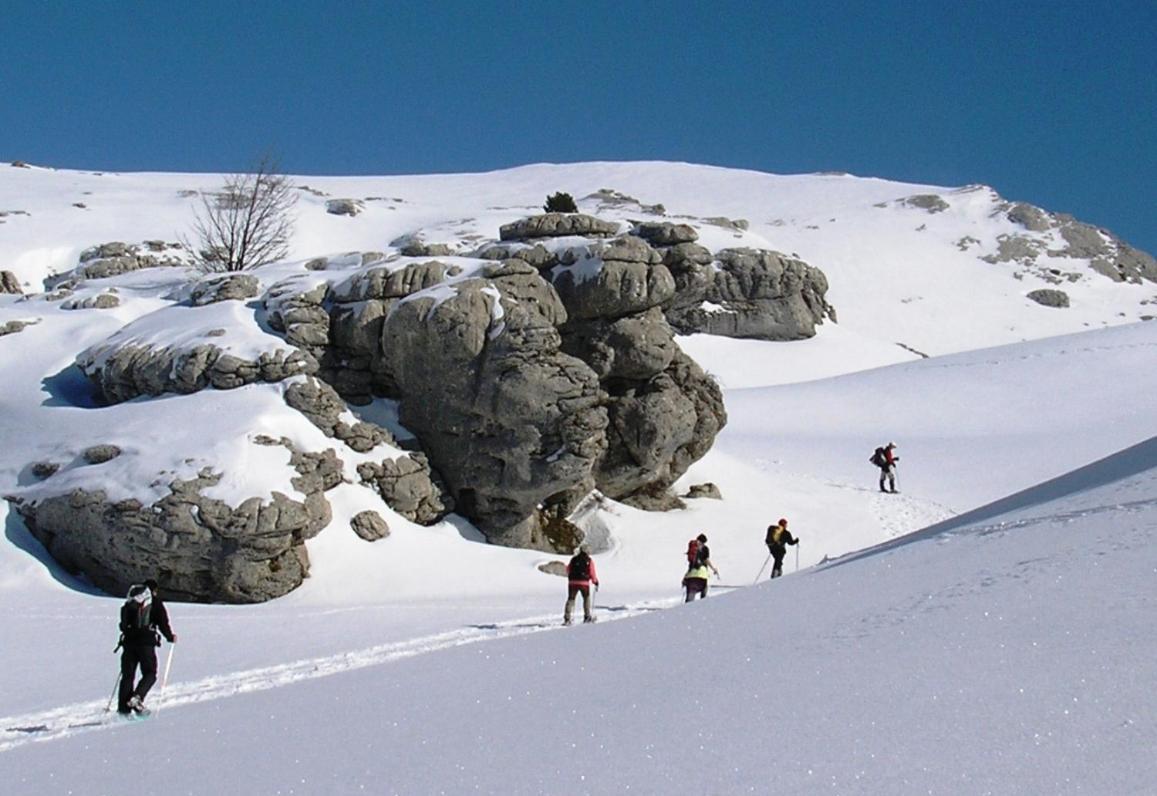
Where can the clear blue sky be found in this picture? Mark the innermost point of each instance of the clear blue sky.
(1050, 102)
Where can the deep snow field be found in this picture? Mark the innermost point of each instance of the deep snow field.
(987, 630)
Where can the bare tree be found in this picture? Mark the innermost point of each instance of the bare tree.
(248, 223)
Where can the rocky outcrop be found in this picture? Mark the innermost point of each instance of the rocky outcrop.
(99, 454)
(113, 259)
(700, 491)
(9, 283)
(13, 327)
(749, 293)
(502, 413)
(231, 287)
(658, 428)
(612, 280)
(510, 376)
(665, 233)
(323, 407)
(409, 487)
(1107, 254)
(295, 309)
(929, 202)
(101, 301)
(344, 207)
(358, 307)
(370, 526)
(1050, 298)
(204, 549)
(123, 372)
(557, 568)
(630, 347)
(557, 225)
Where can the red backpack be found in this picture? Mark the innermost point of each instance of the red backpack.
(693, 552)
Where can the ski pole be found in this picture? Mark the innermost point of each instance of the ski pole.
(763, 566)
(115, 687)
(797, 555)
(165, 677)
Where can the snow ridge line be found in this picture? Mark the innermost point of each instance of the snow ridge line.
(62, 722)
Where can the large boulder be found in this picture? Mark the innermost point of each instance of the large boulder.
(505, 417)
(658, 428)
(557, 225)
(409, 487)
(115, 258)
(663, 233)
(123, 372)
(613, 279)
(231, 287)
(9, 283)
(205, 549)
(758, 294)
(631, 347)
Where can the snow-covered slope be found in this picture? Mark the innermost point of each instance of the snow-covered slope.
(1003, 652)
(1007, 654)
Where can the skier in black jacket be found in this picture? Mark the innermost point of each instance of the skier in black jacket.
(143, 621)
(777, 539)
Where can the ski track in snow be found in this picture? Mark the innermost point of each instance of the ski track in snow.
(69, 720)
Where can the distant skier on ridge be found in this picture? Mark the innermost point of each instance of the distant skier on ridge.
(580, 574)
(885, 459)
(142, 616)
(777, 539)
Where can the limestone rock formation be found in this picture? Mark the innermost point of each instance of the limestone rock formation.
(707, 490)
(1050, 298)
(13, 327)
(123, 372)
(759, 294)
(370, 526)
(502, 413)
(344, 207)
(409, 487)
(112, 259)
(557, 568)
(231, 287)
(930, 202)
(1107, 254)
(556, 225)
(101, 301)
(99, 454)
(205, 549)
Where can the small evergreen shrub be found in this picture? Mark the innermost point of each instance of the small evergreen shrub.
(560, 203)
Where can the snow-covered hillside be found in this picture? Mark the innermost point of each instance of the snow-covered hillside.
(892, 263)
(999, 651)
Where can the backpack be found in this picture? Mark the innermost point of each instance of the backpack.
(693, 552)
(580, 567)
(137, 609)
(879, 458)
(774, 533)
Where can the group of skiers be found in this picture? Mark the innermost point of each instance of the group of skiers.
(581, 569)
(581, 575)
(144, 620)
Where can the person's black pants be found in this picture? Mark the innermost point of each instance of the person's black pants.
(132, 656)
(777, 551)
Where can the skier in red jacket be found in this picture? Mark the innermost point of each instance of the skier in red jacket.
(580, 574)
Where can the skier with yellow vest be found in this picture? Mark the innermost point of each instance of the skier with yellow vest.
(699, 567)
(778, 538)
